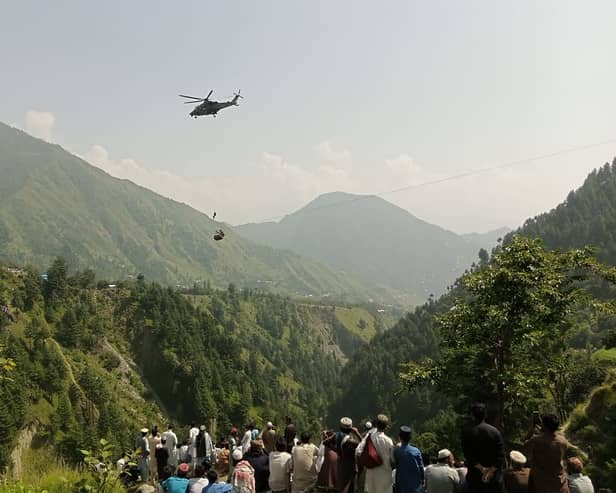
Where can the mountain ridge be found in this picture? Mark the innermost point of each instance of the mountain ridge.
(489, 237)
(374, 238)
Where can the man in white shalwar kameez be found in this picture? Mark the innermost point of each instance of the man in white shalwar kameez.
(143, 458)
(192, 443)
(379, 479)
(171, 441)
(247, 438)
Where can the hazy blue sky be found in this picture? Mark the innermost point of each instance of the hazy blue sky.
(339, 95)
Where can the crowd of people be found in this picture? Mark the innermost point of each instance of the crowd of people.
(350, 460)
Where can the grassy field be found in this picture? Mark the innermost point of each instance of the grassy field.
(358, 321)
(605, 355)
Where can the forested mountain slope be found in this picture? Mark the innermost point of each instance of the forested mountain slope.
(589, 427)
(93, 360)
(69, 384)
(586, 217)
(54, 204)
(369, 381)
(374, 238)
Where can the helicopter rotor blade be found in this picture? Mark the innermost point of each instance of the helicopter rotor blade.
(190, 97)
(198, 101)
(209, 94)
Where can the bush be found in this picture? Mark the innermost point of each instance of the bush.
(110, 360)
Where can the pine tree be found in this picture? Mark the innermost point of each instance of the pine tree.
(7, 429)
(55, 287)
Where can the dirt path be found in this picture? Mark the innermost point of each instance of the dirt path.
(67, 365)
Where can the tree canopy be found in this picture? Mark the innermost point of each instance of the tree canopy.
(104, 361)
(506, 337)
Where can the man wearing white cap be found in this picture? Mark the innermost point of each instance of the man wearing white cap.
(204, 446)
(269, 437)
(243, 478)
(442, 477)
(516, 477)
(346, 441)
(143, 454)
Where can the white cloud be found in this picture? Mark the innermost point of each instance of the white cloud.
(335, 159)
(276, 186)
(40, 124)
(160, 181)
(281, 187)
(123, 168)
(276, 170)
(402, 171)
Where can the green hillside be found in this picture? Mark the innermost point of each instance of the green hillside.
(96, 361)
(589, 427)
(586, 217)
(71, 384)
(358, 321)
(54, 204)
(371, 382)
(375, 239)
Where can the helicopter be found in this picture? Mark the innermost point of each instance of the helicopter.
(206, 107)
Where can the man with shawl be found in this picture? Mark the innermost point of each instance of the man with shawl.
(379, 479)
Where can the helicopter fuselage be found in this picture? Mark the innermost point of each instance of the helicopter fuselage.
(211, 107)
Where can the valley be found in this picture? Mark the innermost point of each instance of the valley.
(170, 330)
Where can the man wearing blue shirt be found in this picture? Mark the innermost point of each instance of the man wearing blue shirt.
(409, 465)
(179, 482)
(215, 486)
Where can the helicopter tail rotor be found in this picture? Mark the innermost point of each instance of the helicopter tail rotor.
(237, 96)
